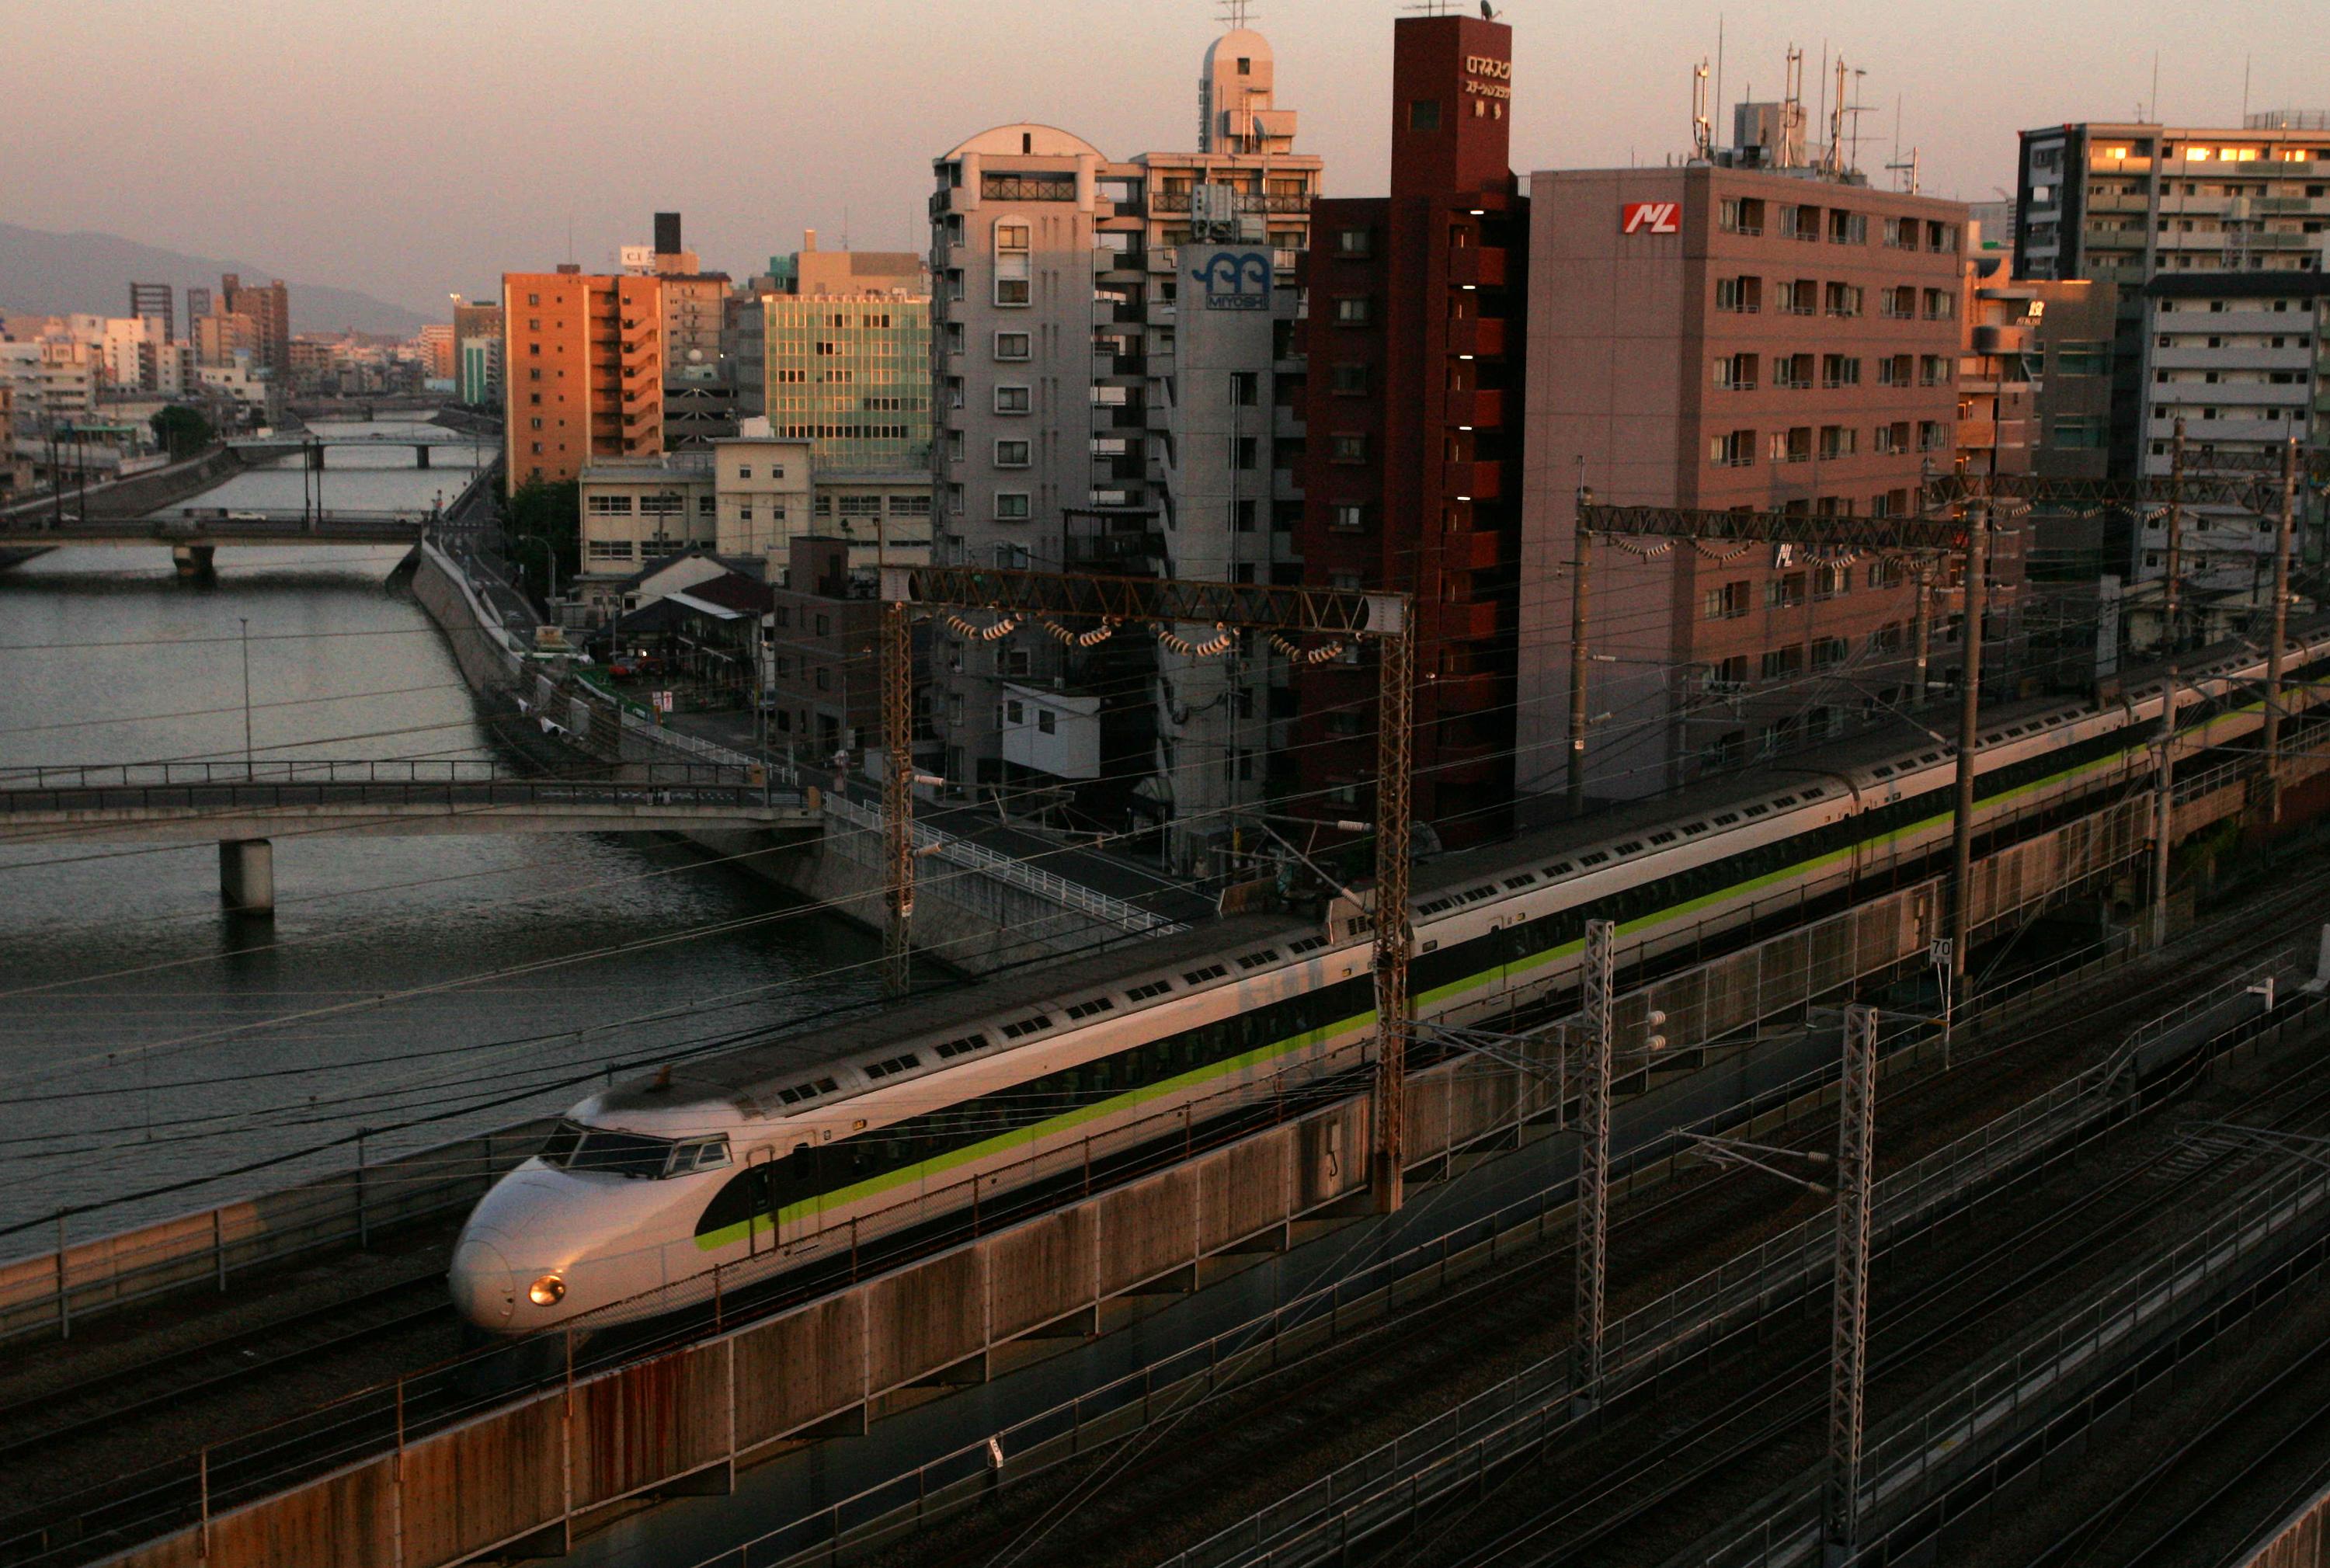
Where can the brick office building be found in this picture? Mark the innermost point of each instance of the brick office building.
(1718, 337)
(1411, 472)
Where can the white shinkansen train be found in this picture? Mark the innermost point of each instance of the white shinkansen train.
(767, 1149)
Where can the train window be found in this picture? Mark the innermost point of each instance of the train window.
(1727, 819)
(1256, 960)
(957, 1047)
(1662, 838)
(1435, 907)
(1597, 858)
(1013, 1030)
(1758, 809)
(1814, 793)
(1931, 757)
(1629, 847)
(562, 1142)
(1153, 989)
(1690, 828)
(1306, 944)
(1786, 801)
(700, 1154)
(1526, 879)
(894, 1064)
(625, 1154)
(1087, 1009)
(1210, 972)
(1884, 772)
(1558, 868)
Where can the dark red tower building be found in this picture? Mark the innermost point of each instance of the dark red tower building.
(1412, 473)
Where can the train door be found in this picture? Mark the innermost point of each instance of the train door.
(762, 1230)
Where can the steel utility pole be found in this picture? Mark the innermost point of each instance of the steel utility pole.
(1849, 1323)
(2164, 809)
(1925, 633)
(1977, 568)
(1580, 596)
(2172, 592)
(248, 768)
(1392, 937)
(2280, 629)
(896, 667)
(1593, 1168)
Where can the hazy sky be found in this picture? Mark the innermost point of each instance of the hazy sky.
(409, 147)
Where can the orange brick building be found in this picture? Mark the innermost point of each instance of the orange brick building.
(583, 371)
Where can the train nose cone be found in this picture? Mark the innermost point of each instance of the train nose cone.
(484, 1287)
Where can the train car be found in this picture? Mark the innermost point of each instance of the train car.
(778, 1150)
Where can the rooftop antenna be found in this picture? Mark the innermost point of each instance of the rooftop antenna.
(1828, 153)
(1856, 108)
(2154, 105)
(1718, 62)
(1431, 8)
(1235, 13)
(1792, 112)
(1907, 166)
(2245, 88)
(1702, 129)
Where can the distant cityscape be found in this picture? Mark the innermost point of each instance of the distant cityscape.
(1195, 364)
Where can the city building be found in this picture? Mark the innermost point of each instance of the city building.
(1418, 311)
(221, 338)
(1751, 330)
(268, 307)
(640, 508)
(1085, 422)
(821, 661)
(198, 305)
(761, 494)
(155, 302)
(583, 371)
(850, 373)
(2239, 360)
(435, 344)
(478, 352)
(14, 474)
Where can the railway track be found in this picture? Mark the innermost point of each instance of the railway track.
(1720, 1464)
(1202, 1479)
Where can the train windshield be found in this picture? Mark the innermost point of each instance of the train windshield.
(576, 1147)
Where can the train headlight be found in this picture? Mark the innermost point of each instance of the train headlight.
(546, 1291)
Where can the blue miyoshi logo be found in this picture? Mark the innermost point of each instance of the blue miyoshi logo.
(1236, 279)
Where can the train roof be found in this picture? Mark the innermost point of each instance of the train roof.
(746, 1073)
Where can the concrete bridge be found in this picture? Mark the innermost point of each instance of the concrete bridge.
(269, 448)
(193, 533)
(244, 808)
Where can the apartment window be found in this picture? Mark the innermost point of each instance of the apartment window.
(1423, 114)
(1893, 440)
(1347, 447)
(1942, 237)
(1012, 454)
(1844, 299)
(610, 549)
(2078, 432)
(608, 505)
(1901, 233)
(954, 339)
(1932, 435)
(1348, 380)
(1013, 400)
(1012, 506)
(1840, 370)
(1349, 516)
(1012, 262)
(1742, 296)
(1828, 652)
(533, 299)
(1729, 603)
(1734, 450)
(1740, 215)
(1784, 592)
(1011, 345)
(1354, 241)
(1839, 442)
(1246, 389)
(1941, 305)
(1848, 228)
(1899, 304)
(1736, 373)
(2082, 358)
(1829, 580)
(1354, 310)
(1894, 370)
(1793, 371)
(1792, 446)
(1800, 297)
(1780, 662)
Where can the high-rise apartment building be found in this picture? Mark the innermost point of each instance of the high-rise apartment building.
(222, 337)
(1723, 335)
(1415, 340)
(198, 305)
(268, 307)
(478, 354)
(1090, 417)
(2238, 359)
(156, 303)
(583, 371)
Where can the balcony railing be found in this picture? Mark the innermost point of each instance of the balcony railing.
(1028, 187)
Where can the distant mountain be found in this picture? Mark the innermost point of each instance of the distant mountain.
(50, 274)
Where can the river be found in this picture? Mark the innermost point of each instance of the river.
(151, 1039)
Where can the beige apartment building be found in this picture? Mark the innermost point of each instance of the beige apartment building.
(1723, 337)
(581, 371)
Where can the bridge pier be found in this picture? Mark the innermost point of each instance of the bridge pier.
(247, 875)
(193, 560)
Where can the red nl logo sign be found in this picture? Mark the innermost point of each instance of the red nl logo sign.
(1651, 217)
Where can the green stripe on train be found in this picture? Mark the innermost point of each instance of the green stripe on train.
(729, 1234)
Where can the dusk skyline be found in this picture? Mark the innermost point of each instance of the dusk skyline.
(829, 118)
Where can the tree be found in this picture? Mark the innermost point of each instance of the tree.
(552, 514)
(182, 431)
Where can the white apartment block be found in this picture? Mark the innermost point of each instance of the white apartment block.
(1085, 422)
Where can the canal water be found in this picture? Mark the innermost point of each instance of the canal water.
(148, 1039)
